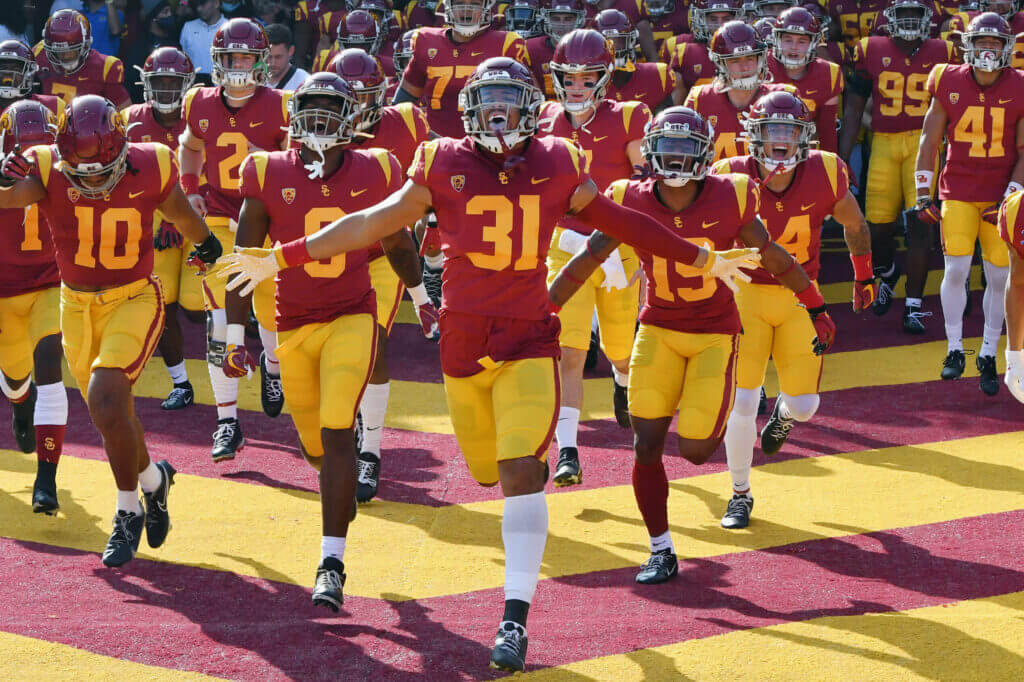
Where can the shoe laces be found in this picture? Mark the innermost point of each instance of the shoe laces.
(916, 314)
(367, 472)
(225, 433)
(659, 559)
(987, 363)
(739, 505)
(511, 638)
(780, 426)
(178, 393)
(328, 579)
(272, 386)
(567, 457)
(956, 357)
(885, 292)
(122, 529)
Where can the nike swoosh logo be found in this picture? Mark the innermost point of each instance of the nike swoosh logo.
(132, 195)
(537, 181)
(640, 95)
(1005, 101)
(255, 124)
(356, 193)
(598, 139)
(83, 78)
(475, 54)
(711, 224)
(811, 92)
(804, 208)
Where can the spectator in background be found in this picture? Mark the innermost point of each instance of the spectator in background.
(269, 12)
(13, 22)
(197, 35)
(107, 24)
(283, 74)
(236, 8)
(161, 27)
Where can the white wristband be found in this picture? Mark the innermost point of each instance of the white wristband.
(236, 335)
(923, 179)
(1011, 188)
(418, 294)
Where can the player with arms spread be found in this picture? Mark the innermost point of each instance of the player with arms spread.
(98, 192)
(499, 340)
(69, 66)
(800, 188)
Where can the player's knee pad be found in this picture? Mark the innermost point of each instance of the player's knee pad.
(746, 401)
(801, 407)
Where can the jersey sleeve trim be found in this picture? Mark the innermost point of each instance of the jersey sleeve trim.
(408, 117)
(163, 161)
(617, 191)
(44, 161)
(741, 184)
(830, 162)
(383, 157)
(108, 66)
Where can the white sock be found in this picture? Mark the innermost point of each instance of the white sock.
(374, 407)
(179, 374)
(663, 541)
(225, 389)
(333, 546)
(740, 436)
(51, 404)
(14, 395)
(992, 304)
(954, 298)
(567, 426)
(128, 500)
(524, 531)
(913, 302)
(269, 341)
(434, 262)
(620, 378)
(149, 478)
(799, 407)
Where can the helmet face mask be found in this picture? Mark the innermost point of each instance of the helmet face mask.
(562, 18)
(581, 69)
(17, 70)
(67, 41)
(468, 17)
(908, 20)
(779, 130)
(322, 112)
(166, 76)
(988, 43)
(240, 50)
(500, 105)
(403, 52)
(795, 37)
(523, 17)
(678, 146)
(773, 8)
(660, 8)
(617, 28)
(365, 77)
(359, 29)
(707, 16)
(1004, 8)
(92, 146)
(739, 56)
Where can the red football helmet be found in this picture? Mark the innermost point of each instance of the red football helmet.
(524, 17)
(67, 39)
(764, 28)
(500, 104)
(773, 8)
(824, 20)
(735, 41)
(17, 69)
(656, 9)
(706, 16)
(787, 37)
(678, 146)
(166, 76)
(908, 19)
(468, 17)
(561, 17)
(240, 50)
(1004, 8)
(779, 129)
(366, 78)
(27, 123)
(314, 123)
(382, 13)
(403, 51)
(359, 29)
(92, 144)
(586, 55)
(616, 27)
(985, 27)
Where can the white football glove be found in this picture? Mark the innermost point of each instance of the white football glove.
(571, 242)
(1014, 377)
(247, 267)
(726, 265)
(614, 272)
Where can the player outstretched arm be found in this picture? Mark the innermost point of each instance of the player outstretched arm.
(858, 241)
(17, 188)
(404, 259)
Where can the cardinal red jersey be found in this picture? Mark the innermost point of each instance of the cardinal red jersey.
(664, 27)
(962, 19)
(143, 126)
(651, 83)
(855, 18)
(633, 9)
(54, 104)
(103, 243)
(227, 136)
(310, 12)
(982, 131)
(540, 50)
(794, 216)
(725, 118)
(27, 259)
(496, 225)
(297, 206)
(678, 297)
(440, 66)
(416, 15)
(689, 60)
(900, 99)
(100, 75)
(837, 53)
(821, 82)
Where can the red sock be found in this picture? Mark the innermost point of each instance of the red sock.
(650, 485)
(49, 442)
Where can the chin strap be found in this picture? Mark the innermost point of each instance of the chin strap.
(761, 184)
(511, 160)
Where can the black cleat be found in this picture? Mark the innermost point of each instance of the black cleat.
(568, 471)
(180, 397)
(954, 364)
(271, 393)
(510, 648)
(912, 320)
(124, 540)
(21, 421)
(737, 514)
(886, 291)
(620, 399)
(330, 579)
(592, 351)
(432, 283)
(158, 521)
(227, 440)
(762, 404)
(775, 432)
(661, 566)
(44, 492)
(367, 476)
(989, 376)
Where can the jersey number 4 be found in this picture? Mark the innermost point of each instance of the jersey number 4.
(971, 129)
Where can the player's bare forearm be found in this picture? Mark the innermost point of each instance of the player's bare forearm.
(253, 226)
(774, 258)
(403, 258)
(22, 193)
(407, 93)
(931, 136)
(303, 38)
(190, 154)
(681, 91)
(851, 124)
(645, 36)
(180, 213)
(855, 227)
(1015, 303)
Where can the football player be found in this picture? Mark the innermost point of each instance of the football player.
(658, 21)
(687, 55)
(649, 82)
(684, 358)
(357, 29)
(893, 70)
(499, 339)
(978, 109)
(1011, 229)
(400, 129)
(30, 353)
(418, 13)
(18, 71)
(795, 40)
(1007, 9)
(68, 66)
(609, 133)
(801, 187)
(557, 19)
(853, 19)
(772, 9)
(308, 22)
(223, 124)
(742, 77)
(98, 193)
(167, 75)
(524, 17)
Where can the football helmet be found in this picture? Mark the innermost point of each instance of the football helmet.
(587, 54)
(616, 27)
(706, 16)
(988, 25)
(733, 41)
(166, 76)
(524, 17)
(26, 123)
(67, 40)
(92, 145)
(359, 29)
(17, 69)
(764, 28)
(678, 146)
(382, 13)
(468, 17)
(240, 36)
(403, 51)
(561, 17)
(908, 19)
(498, 87)
(1004, 8)
(824, 20)
(364, 75)
(799, 22)
(773, 8)
(656, 9)
(779, 130)
(317, 127)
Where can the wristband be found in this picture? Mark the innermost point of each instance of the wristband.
(811, 298)
(418, 294)
(862, 270)
(292, 254)
(1011, 188)
(923, 179)
(236, 335)
(190, 183)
